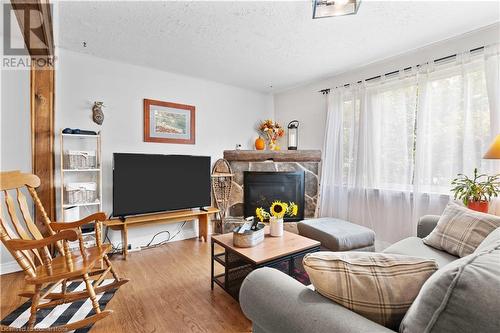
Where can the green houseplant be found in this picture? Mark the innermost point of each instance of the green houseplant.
(476, 192)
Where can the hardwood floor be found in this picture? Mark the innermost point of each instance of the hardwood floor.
(169, 291)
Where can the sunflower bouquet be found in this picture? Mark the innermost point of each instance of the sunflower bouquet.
(278, 209)
(272, 131)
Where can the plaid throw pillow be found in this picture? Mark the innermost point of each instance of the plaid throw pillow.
(460, 230)
(378, 286)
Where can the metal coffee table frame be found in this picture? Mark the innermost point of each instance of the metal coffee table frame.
(237, 267)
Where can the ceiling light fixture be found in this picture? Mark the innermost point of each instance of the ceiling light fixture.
(329, 8)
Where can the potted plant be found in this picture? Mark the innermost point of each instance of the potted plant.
(476, 192)
(277, 212)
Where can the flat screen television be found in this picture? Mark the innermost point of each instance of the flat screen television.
(147, 183)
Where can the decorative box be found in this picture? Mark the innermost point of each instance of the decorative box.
(80, 159)
(81, 193)
(249, 238)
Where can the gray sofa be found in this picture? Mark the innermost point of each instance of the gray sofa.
(275, 302)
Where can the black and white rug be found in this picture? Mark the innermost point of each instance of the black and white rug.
(61, 314)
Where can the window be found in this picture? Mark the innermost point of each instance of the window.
(393, 146)
(456, 126)
(419, 130)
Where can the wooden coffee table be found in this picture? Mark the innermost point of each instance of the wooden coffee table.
(284, 253)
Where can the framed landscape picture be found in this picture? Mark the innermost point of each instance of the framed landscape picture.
(168, 122)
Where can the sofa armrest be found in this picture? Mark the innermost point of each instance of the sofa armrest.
(275, 302)
(426, 224)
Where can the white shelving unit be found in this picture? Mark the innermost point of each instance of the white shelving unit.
(81, 204)
(81, 142)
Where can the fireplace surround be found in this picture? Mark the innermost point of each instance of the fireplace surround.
(261, 188)
(306, 161)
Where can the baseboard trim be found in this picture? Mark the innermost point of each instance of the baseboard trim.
(9, 267)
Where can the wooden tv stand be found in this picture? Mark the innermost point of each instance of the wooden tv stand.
(168, 217)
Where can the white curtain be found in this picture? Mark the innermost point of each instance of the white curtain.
(392, 146)
(492, 73)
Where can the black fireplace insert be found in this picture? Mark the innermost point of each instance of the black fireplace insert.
(262, 188)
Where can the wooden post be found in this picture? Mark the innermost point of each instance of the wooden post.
(42, 137)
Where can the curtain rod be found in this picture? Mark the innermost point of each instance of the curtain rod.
(327, 90)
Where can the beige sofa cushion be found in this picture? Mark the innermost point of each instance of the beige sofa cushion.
(460, 230)
(415, 247)
(378, 286)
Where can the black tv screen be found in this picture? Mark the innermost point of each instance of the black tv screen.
(146, 183)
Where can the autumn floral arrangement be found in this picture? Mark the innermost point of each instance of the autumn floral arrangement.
(271, 130)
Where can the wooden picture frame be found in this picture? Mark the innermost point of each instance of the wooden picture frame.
(167, 122)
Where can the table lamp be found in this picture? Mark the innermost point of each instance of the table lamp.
(493, 152)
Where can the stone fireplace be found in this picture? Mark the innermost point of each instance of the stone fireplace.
(294, 161)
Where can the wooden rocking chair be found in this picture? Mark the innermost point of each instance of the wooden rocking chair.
(44, 272)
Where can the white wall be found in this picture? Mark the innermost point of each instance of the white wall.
(15, 121)
(15, 136)
(15, 145)
(308, 106)
(225, 116)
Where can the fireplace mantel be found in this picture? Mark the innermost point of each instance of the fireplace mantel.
(275, 156)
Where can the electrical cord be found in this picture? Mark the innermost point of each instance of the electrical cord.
(119, 247)
(179, 231)
(158, 233)
(115, 249)
(170, 238)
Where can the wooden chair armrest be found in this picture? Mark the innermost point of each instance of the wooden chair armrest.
(58, 226)
(21, 244)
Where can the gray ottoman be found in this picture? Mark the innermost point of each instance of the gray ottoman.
(338, 235)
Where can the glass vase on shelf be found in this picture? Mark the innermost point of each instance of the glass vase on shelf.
(273, 144)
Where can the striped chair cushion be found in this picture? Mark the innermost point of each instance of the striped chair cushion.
(378, 286)
(460, 230)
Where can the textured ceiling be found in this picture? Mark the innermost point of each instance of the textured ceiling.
(261, 44)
